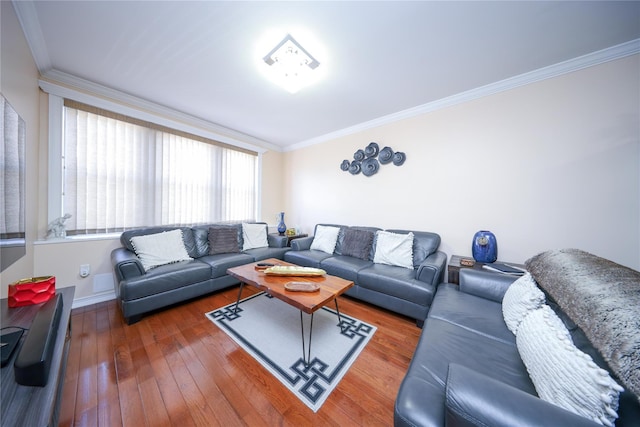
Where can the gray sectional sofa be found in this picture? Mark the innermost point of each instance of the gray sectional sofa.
(139, 291)
(408, 291)
(468, 367)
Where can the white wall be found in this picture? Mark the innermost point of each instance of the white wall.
(19, 84)
(550, 165)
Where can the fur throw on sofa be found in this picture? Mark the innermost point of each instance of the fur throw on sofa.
(603, 299)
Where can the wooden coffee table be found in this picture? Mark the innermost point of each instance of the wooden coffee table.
(309, 302)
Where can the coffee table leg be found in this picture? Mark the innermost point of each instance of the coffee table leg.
(239, 295)
(339, 318)
(306, 356)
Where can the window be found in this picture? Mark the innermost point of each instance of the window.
(120, 173)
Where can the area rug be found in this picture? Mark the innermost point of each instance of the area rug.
(269, 330)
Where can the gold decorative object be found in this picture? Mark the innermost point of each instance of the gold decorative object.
(301, 286)
(291, 270)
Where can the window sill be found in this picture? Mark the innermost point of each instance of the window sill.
(76, 239)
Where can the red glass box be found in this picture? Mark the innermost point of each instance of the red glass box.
(34, 290)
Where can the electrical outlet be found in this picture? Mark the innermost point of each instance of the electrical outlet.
(85, 270)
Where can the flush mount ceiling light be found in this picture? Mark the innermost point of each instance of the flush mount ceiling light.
(290, 65)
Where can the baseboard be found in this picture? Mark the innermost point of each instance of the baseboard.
(93, 299)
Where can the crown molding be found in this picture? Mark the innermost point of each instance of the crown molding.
(68, 86)
(589, 60)
(28, 18)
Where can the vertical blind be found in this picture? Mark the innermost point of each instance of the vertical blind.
(12, 162)
(122, 173)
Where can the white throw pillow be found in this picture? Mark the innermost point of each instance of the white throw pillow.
(160, 248)
(522, 297)
(254, 236)
(325, 238)
(394, 249)
(561, 373)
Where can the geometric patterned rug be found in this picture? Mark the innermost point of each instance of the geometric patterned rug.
(270, 330)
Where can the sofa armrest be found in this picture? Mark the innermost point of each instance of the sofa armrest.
(432, 268)
(474, 399)
(485, 284)
(277, 241)
(301, 244)
(126, 264)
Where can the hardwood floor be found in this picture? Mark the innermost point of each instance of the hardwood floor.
(175, 367)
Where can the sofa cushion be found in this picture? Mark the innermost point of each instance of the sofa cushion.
(219, 263)
(357, 243)
(325, 239)
(223, 240)
(485, 284)
(125, 237)
(308, 258)
(344, 266)
(474, 399)
(562, 374)
(521, 298)
(165, 278)
(424, 244)
(200, 242)
(254, 236)
(395, 281)
(258, 254)
(160, 249)
(343, 230)
(394, 249)
(441, 344)
(467, 311)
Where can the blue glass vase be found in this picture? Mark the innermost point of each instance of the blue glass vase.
(484, 247)
(281, 225)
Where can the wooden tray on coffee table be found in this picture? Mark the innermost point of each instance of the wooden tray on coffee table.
(301, 287)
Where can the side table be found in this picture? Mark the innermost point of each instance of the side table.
(454, 267)
(290, 238)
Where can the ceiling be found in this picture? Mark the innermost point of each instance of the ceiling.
(378, 58)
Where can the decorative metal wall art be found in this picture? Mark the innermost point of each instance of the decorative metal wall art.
(368, 161)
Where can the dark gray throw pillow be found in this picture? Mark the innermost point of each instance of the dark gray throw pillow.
(357, 243)
(223, 240)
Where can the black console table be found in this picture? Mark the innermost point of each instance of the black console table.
(35, 406)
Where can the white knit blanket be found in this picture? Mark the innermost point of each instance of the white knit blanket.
(603, 299)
